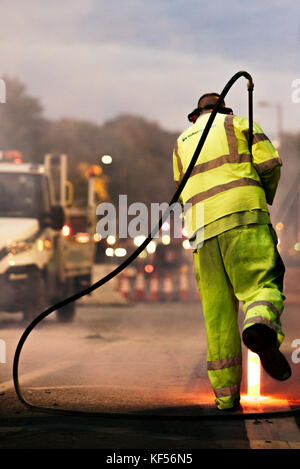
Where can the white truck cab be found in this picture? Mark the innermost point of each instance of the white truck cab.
(39, 264)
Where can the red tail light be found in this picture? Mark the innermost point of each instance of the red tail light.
(149, 268)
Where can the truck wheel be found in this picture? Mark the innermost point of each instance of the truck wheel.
(66, 313)
(36, 302)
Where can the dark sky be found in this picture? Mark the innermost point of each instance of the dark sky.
(95, 59)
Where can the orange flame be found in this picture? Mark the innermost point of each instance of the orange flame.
(253, 375)
(253, 379)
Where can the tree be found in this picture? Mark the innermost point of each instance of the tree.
(141, 150)
(21, 122)
(142, 159)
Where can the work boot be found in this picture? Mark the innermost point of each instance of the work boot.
(262, 340)
(235, 406)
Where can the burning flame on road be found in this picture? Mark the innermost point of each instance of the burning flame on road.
(253, 378)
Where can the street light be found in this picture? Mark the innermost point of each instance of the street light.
(279, 115)
(106, 159)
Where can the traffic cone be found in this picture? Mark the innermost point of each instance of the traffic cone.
(154, 296)
(117, 283)
(140, 286)
(197, 294)
(168, 288)
(124, 286)
(183, 285)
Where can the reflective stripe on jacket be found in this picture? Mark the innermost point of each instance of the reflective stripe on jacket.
(224, 179)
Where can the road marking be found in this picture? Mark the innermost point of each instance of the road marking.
(272, 433)
(6, 385)
(267, 444)
(99, 386)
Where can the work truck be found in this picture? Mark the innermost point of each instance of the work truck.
(46, 243)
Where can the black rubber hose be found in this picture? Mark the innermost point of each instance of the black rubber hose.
(122, 266)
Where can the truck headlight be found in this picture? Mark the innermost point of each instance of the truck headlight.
(16, 247)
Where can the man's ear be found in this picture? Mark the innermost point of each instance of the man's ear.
(193, 116)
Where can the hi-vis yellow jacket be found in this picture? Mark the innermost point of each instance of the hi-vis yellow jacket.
(225, 178)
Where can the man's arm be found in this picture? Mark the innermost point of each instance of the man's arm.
(177, 165)
(177, 170)
(270, 180)
(266, 159)
(267, 162)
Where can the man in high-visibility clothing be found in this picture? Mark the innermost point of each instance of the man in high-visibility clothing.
(238, 260)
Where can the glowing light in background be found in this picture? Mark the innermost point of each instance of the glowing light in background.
(48, 243)
(186, 244)
(120, 252)
(97, 237)
(166, 239)
(109, 252)
(279, 226)
(138, 240)
(82, 238)
(66, 231)
(18, 160)
(106, 159)
(184, 232)
(111, 240)
(151, 248)
(40, 245)
(149, 268)
(165, 226)
(143, 254)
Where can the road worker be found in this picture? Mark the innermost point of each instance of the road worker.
(235, 250)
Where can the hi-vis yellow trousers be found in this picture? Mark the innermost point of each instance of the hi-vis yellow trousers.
(239, 265)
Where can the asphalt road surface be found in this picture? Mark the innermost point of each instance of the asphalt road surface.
(145, 358)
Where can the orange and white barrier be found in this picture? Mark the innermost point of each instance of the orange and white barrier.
(125, 286)
(183, 284)
(177, 285)
(140, 287)
(197, 294)
(154, 288)
(168, 288)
